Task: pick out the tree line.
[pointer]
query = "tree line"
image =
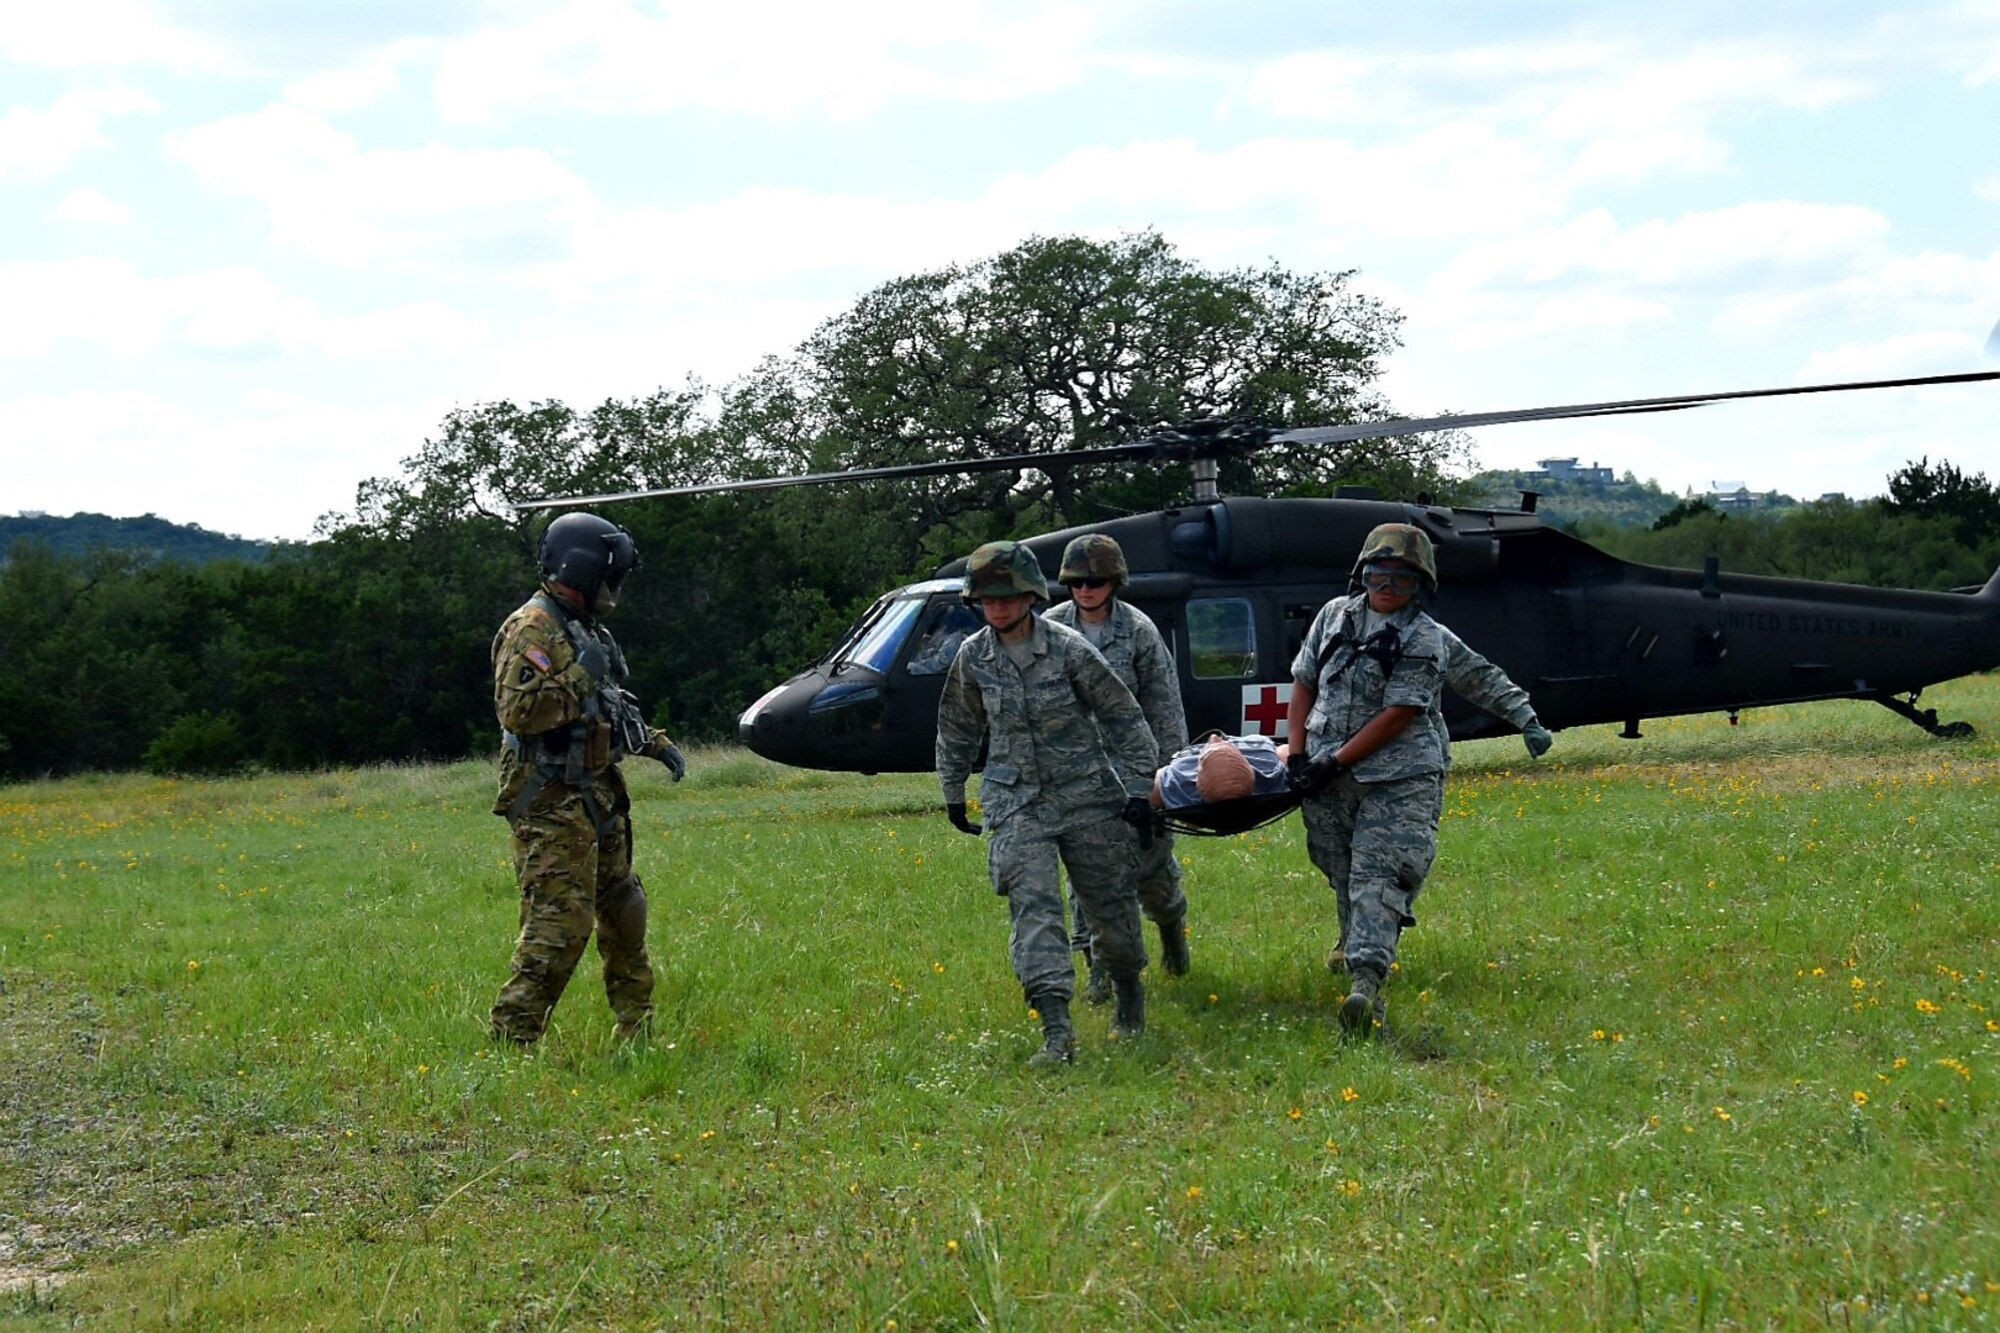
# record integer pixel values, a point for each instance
(370, 643)
(1937, 528)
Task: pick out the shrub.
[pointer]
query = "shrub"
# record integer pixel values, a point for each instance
(202, 742)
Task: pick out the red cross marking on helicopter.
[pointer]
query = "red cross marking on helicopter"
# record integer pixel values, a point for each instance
(1268, 710)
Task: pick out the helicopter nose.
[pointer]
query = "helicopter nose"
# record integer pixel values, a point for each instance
(774, 726)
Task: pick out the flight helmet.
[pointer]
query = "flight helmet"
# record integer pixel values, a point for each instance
(588, 553)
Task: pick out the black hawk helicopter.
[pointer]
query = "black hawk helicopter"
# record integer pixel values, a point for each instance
(1233, 584)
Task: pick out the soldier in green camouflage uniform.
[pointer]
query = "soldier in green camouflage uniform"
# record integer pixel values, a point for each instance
(1370, 749)
(558, 688)
(1068, 757)
(1094, 569)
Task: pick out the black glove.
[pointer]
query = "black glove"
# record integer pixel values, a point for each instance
(1311, 776)
(670, 754)
(1536, 737)
(955, 812)
(596, 661)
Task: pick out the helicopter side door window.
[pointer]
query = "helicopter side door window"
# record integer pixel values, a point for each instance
(1298, 621)
(1222, 638)
(944, 628)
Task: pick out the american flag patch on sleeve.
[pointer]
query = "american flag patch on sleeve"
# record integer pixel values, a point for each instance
(539, 658)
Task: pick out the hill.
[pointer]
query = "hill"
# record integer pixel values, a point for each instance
(80, 534)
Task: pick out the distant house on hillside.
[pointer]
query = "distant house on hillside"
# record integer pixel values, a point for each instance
(1566, 469)
(1734, 495)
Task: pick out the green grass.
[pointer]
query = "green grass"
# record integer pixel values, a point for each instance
(1695, 1031)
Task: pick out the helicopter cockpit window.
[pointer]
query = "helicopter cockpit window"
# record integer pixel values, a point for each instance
(944, 627)
(877, 645)
(1222, 638)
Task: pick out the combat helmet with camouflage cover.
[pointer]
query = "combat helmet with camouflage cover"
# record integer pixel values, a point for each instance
(1398, 541)
(1094, 555)
(1004, 569)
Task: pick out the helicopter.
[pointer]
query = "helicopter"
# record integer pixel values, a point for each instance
(1233, 584)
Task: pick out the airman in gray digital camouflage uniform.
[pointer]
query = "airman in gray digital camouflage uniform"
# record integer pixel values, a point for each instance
(558, 689)
(1068, 764)
(1367, 692)
(1094, 570)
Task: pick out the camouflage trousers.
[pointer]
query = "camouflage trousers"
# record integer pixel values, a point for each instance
(1159, 883)
(574, 879)
(1026, 858)
(1375, 842)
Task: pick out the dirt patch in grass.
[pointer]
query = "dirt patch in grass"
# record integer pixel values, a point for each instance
(33, 1281)
(96, 1162)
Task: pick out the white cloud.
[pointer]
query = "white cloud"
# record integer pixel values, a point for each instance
(765, 57)
(347, 89)
(98, 34)
(1989, 188)
(36, 143)
(1975, 34)
(1252, 196)
(330, 198)
(91, 208)
(134, 452)
(1905, 356)
(1765, 242)
(1621, 112)
(1933, 289)
(1397, 87)
(1643, 94)
(1455, 178)
(1575, 89)
(105, 303)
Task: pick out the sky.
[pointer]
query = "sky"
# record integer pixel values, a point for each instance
(252, 253)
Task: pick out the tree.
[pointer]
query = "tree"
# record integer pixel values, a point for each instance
(1683, 511)
(489, 457)
(1940, 490)
(1071, 343)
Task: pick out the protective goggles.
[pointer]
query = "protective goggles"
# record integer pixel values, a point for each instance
(1381, 578)
(1092, 584)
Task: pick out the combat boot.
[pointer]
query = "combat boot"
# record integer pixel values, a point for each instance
(1174, 947)
(1129, 1020)
(1364, 1009)
(1058, 1037)
(634, 1031)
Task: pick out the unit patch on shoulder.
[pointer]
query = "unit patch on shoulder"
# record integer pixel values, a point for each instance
(539, 658)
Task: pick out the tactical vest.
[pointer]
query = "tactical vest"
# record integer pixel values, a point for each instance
(577, 752)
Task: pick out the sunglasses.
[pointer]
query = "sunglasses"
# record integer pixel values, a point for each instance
(1092, 584)
(1377, 579)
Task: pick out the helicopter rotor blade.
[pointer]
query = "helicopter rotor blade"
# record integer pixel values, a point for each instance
(1180, 445)
(1011, 462)
(1370, 430)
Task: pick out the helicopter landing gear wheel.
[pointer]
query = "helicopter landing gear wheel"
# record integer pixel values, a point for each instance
(1926, 718)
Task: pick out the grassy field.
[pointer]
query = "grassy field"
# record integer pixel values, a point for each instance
(1701, 1030)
